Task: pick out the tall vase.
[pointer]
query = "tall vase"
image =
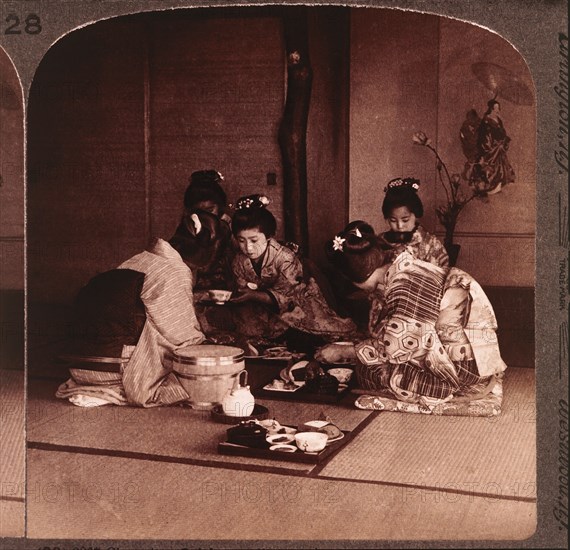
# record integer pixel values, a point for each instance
(451, 247)
(453, 250)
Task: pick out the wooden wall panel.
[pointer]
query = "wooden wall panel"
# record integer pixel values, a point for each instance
(86, 159)
(216, 96)
(393, 93)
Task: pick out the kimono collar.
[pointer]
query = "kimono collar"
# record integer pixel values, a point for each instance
(162, 248)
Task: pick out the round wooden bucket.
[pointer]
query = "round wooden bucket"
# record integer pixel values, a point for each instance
(207, 372)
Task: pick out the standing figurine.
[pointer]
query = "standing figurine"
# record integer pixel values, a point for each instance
(490, 170)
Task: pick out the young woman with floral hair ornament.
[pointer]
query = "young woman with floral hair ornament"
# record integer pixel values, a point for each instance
(271, 282)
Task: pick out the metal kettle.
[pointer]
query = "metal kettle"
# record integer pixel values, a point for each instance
(239, 400)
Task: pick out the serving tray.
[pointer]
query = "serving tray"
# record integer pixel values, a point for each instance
(330, 450)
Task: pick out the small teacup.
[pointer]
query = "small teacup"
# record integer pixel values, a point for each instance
(220, 296)
(342, 374)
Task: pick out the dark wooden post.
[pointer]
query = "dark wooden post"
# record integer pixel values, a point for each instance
(293, 129)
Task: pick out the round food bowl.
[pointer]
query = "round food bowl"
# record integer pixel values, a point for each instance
(283, 448)
(281, 439)
(342, 374)
(220, 296)
(311, 442)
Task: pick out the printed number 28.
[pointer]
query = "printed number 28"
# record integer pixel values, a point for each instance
(31, 24)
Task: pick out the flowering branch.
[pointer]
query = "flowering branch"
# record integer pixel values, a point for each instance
(451, 183)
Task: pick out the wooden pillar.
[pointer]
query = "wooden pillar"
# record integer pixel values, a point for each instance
(293, 129)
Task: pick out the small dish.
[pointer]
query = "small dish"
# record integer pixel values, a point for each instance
(339, 363)
(273, 427)
(333, 439)
(280, 439)
(313, 425)
(280, 385)
(283, 448)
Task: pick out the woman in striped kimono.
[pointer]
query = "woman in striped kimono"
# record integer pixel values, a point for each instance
(165, 293)
(432, 329)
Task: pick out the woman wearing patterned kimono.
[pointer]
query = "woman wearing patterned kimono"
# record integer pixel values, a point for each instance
(432, 329)
(402, 208)
(276, 295)
(142, 374)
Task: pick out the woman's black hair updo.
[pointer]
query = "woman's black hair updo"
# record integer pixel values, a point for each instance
(205, 186)
(251, 213)
(402, 192)
(356, 251)
(196, 237)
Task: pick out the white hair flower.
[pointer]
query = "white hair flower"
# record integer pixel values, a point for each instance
(264, 200)
(197, 223)
(338, 242)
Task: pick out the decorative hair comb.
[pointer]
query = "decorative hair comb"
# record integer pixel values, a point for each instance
(252, 201)
(399, 182)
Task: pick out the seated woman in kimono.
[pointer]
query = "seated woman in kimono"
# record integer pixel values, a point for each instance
(138, 314)
(275, 299)
(432, 329)
(205, 193)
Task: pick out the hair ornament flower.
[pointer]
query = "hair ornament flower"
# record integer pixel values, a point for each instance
(399, 182)
(338, 243)
(252, 201)
(197, 223)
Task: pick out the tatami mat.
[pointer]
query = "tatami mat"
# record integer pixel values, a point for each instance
(178, 433)
(12, 436)
(492, 456)
(12, 451)
(85, 497)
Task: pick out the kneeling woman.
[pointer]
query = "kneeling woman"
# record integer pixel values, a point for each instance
(432, 329)
(281, 299)
(138, 314)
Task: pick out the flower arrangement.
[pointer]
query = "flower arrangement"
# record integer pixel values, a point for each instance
(457, 199)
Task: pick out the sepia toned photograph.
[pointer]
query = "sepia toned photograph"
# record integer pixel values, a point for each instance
(269, 278)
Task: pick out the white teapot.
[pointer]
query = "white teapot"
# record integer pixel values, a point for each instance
(239, 401)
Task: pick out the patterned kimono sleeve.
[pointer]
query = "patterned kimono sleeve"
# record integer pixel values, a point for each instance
(239, 272)
(168, 299)
(435, 252)
(289, 278)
